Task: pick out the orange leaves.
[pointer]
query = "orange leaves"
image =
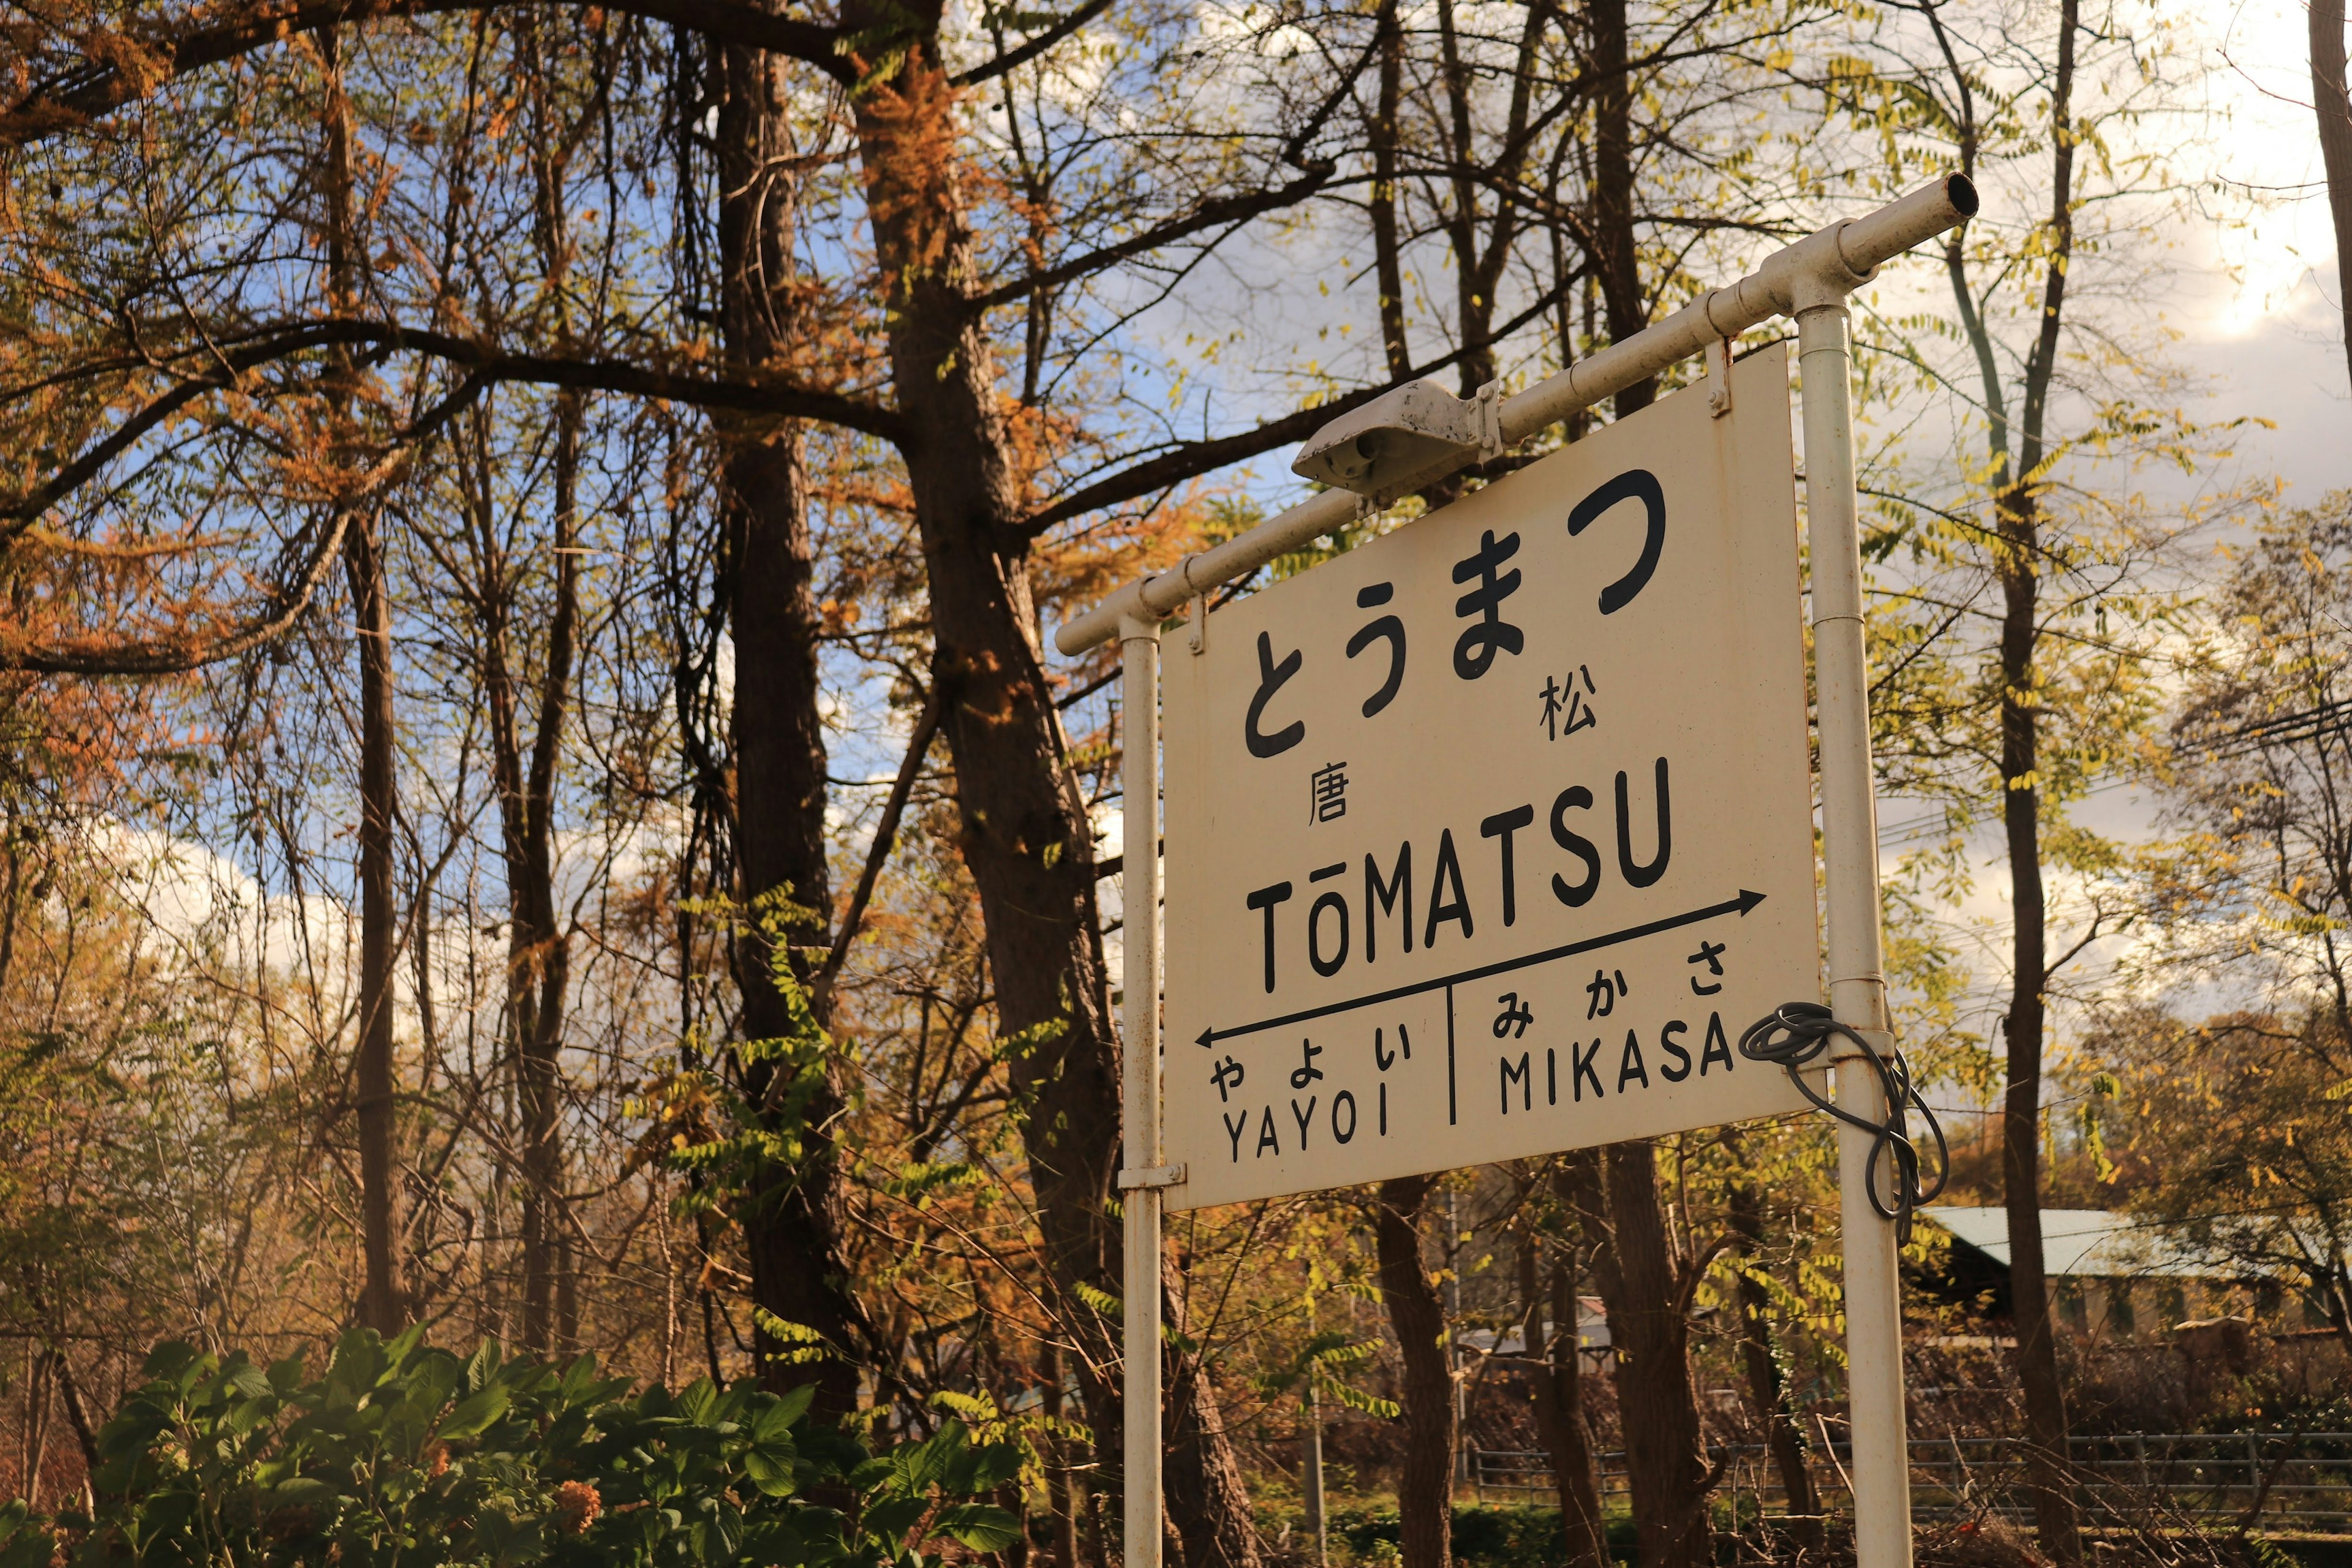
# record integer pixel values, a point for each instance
(912, 138)
(141, 69)
(1076, 570)
(577, 1504)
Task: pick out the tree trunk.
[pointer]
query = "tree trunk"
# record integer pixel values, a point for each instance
(1558, 1377)
(2037, 1360)
(1765, 1386)
(1425, 1488)
(792, 1217)
(1024, 831)
(1618, 263)
(1665, 1468)
(1478, 268)
(77, 1416)
(1055, 1460)
(1310, 1474)
(2019, 560)
(1381, 206)
(383, 1304)
(538, 951)
(2335, 111)
(1208, 1497)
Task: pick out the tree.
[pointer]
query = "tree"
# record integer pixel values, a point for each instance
(1551, 1329)
(2258, 894)
(792, 1212)
(1761, 1354)
(2334, 109)
(2019, 616)
(385, 1303)
(1526, 156)
(2240, 1127)
(1425, 1485)
(2261, 775)
(1646, 1285)
(982, 637)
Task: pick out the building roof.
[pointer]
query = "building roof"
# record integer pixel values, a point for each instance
(1591, 1331)
(2097, 1244)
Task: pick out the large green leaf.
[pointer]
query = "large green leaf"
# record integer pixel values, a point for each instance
(473, 1415)
(981, 1526)
(772, 1475)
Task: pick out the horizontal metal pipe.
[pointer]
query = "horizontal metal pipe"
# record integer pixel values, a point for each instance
(1820, 269)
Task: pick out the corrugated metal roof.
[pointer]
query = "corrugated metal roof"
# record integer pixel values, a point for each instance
(2097, 1244)
(1592, 1331)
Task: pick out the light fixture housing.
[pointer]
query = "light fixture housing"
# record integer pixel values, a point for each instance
(1397, 442)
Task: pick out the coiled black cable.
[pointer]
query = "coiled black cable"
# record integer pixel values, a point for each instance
(1795, 1033)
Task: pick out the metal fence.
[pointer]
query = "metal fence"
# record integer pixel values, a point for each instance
(2281, 1480)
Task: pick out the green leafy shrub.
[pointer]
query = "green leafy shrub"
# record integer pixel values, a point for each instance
(1484, 1535)
(407, 1456)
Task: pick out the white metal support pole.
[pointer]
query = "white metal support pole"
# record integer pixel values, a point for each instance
(1881, 1468)
(1140, 1063)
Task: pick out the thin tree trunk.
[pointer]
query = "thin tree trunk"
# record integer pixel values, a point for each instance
(1558, 1378)
(1618, 263)
(1665, 1470)
(1478, 268)
(2019, 562)
(1209, 1514)
(792, 1217)
(2335, 111)
(35, 1432)
(1026, 834)
(9, 902)
(77, 1416)
(1425, 1488)
(1058, 1480)
(1766, 1388)
(1474, 308)
(537, 949)
(1388, 256)
(2045, 1400)
(384, 1303)
(1310, 1473)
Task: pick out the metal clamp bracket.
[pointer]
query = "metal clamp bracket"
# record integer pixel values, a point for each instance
(1129, 1178)
(1490, 421)
(1718, 376)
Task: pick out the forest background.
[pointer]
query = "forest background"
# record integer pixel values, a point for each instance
(533, 801)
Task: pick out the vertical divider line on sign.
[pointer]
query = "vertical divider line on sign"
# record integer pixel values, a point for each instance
(1451, 1117)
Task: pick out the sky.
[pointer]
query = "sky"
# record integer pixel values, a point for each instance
(2264, 319)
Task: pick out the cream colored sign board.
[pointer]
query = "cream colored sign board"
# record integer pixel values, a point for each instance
(1488, 838)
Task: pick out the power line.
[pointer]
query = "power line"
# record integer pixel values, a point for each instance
(2303, 725)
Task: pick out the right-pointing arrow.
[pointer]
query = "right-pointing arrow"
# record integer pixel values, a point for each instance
(1747, 900)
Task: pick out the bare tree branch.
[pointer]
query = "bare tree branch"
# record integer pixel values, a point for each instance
(191, 650)
(107, 80)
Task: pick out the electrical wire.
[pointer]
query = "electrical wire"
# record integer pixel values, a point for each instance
(1795, 1033)
(2333, 718)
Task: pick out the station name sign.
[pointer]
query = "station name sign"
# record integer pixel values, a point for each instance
(1486, 839)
